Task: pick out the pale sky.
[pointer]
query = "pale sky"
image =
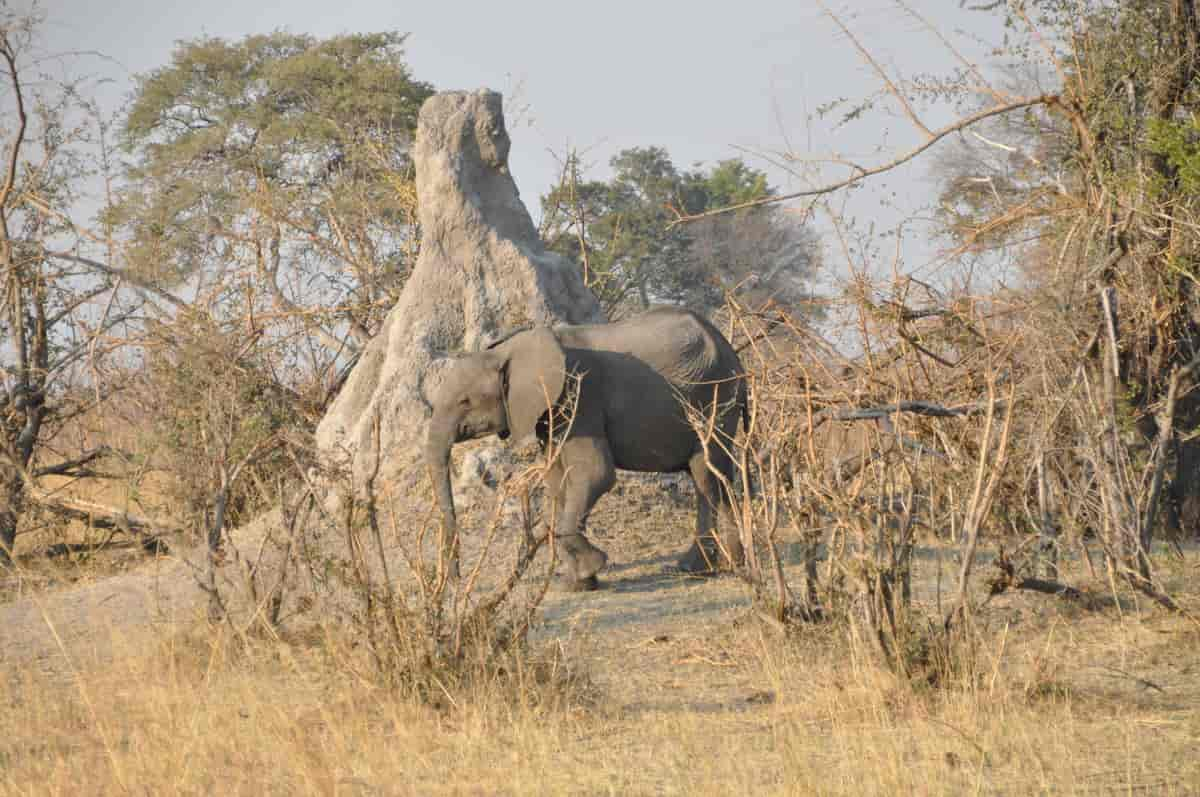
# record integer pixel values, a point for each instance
(706, 81)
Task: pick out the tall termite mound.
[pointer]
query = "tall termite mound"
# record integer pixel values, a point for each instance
(482, 271)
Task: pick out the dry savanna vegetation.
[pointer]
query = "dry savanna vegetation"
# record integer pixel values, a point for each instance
(969, 506)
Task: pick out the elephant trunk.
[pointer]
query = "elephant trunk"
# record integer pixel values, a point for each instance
(439, 440)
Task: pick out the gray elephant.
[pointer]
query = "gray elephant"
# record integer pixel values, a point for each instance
(634, 378)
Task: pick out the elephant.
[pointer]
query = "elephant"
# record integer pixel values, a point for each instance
(632, 381)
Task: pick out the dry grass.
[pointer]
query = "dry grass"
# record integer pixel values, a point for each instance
(651, 687)
(1053, 699)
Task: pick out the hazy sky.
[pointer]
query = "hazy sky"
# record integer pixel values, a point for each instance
(706, 81)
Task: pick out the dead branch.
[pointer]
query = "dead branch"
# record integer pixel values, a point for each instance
(914, 407)
(863, 172)
(100, 516)
(77, 466)
(142, 285)
(1166, 430)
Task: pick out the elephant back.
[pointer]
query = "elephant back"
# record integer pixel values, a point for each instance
(678, 343)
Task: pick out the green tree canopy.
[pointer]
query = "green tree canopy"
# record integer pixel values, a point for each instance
(281, 162)
(619, 231)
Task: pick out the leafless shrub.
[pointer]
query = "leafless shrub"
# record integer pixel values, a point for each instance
(848, 457)
(424, 628)
(1018, 419)
(958, 418)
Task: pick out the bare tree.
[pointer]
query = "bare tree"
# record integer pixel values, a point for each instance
(57, 314)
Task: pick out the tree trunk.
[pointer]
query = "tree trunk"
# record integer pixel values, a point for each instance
(1183, 501)
(1048, 529)
(216, 606)
(12, 501)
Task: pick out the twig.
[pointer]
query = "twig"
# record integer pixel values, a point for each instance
(1142, 681)
(862, 173)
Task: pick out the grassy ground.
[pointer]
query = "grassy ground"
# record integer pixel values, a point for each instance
(653, 686)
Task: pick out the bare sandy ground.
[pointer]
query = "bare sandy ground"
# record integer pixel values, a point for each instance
(50, 628)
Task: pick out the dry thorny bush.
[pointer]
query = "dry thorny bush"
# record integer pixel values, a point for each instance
(236, 444)
(960, 417)
(845, 456)
(371, 558)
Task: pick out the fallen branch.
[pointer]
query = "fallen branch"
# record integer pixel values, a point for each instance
(61, 549)
(1148, 588)
(1007, 579)
(100, 516)
(1048, 587)
(915, 407)
(71, 467)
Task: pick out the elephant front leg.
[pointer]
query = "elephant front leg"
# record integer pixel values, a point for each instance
(583, 473)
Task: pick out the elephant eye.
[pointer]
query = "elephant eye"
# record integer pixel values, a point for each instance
(465, 401)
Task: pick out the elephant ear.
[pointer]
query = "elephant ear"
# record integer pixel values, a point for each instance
(535, 375)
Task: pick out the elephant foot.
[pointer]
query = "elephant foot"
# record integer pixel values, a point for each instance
(572, 584)
(688, 568)
(585, 559)
(702, 560)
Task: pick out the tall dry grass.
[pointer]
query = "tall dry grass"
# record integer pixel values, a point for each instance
(1052, 702)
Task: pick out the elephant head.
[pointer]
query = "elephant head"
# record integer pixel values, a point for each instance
(504, 390)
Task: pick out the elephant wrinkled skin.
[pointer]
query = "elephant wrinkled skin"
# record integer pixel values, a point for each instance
(636, 379)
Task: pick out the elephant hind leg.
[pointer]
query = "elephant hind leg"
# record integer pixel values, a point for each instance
(709, 553)
(702, 558)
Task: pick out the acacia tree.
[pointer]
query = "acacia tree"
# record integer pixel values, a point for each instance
(279, 161)
(620, 232)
